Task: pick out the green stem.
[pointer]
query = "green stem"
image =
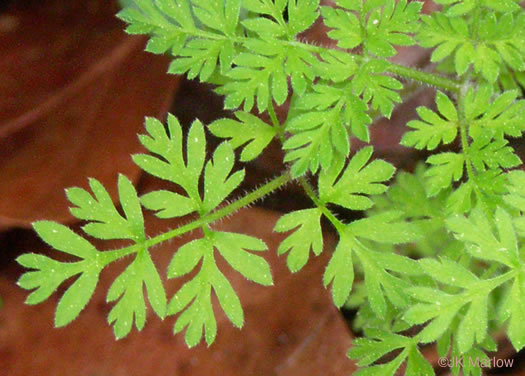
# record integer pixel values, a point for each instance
(463, 130)
(308, 189)
(397, 69)
(275, 122)
(339, 226)
(110, 256)
(427, 78)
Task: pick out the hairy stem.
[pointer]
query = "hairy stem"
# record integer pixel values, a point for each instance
(110, 256)
(339, 226)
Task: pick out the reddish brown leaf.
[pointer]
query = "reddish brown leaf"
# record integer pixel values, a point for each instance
(75, 90)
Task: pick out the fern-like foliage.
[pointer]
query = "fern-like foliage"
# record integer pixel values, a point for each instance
(105, 221)
(436, 255)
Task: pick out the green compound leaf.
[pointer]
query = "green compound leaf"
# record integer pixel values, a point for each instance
(308, 235)
(378, 28)
(194, 32)
(482, 242)
(248, 132)
(48, 274)
(200, 57)
(446, 168)
(486, 154)
(515, 197)
(170, 164)
(345, 27)
(379, 343)
(194, 298)
(105, 222)
(335, 66)
(128, 290)
(379, 282)
(434, 129)
(441, 308)
(349, 110)
(313, 141)
(322, 133)
(232, 247)
(168, 204)
(500, 41)
(301, 15)
(379, 89)
(199, 316)
(513, 309)
(340, 270)
(257, 75)
(349, 188)
(503, 116)
(386, 227)
(218, 183)
(461, 7)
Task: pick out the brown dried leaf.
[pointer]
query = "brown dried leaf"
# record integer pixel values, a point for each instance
(75, 90)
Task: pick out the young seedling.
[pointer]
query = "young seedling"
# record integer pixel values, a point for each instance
(438, 251)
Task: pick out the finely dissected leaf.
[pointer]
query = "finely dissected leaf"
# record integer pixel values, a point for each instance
(478, 232)
(168, 204)
(311, 144)
(105, 222)
(500, 40)
(513, 309)
(380, 89)
(504, 116)
(378, 28)
(301, 15)
(335, 66)
(349, 188)
(194, 32)
(380, 284)
(378, 281)
(345, 27)
(308, 235)
(442, 308)
(199, 314)
(379, 343)
(170, 165)
(446, 168)
(330, 100)
(257, 75)
(460, 7)
(218, 183)
(515, 196)
(128, 290)
(233, 247)
(322, 133)
(48, 274)
(486, 154)
(249, 132)
(434, 129)
(200, 57)
(340, 270)
(194, 298)
(387, 227)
